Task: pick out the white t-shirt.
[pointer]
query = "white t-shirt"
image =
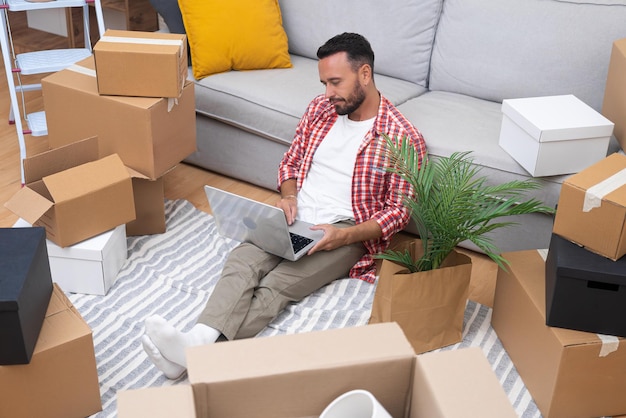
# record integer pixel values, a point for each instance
(326, 194)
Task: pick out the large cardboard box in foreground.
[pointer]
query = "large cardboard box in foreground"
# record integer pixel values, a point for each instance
(298, 375)
(614, 104)
(539, 131)
(570, 374)
(89, 267)
(584, 291)
(151, 135)
(61, 380)
(592, 207)
(73, 194)
(25, 288)
(135, 63)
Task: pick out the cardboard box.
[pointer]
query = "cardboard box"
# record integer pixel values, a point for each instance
(570, 374)
(538, 131)
(134, 63)
(73, 194)
(151, 135)
(614, 104)
(457, 383)
(158, 402)
(25, 288)
(149, 206)
(89, 267)
(61, 380)
(299, 375)
(592, 208)
(584, 291)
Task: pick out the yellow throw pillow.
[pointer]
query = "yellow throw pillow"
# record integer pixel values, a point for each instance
(229, 35)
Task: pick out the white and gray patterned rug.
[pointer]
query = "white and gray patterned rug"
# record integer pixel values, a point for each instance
(172, 274)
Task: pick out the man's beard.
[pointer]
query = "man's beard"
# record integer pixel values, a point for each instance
(352, 103)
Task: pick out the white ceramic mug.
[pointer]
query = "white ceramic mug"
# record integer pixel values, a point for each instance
(355, 404)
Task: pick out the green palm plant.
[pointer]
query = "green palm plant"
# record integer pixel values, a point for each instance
(452, 204)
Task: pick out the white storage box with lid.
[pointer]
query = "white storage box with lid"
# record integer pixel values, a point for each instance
(89, 267)
(554, 135)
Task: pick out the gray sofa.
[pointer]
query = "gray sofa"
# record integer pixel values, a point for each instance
(446, 64)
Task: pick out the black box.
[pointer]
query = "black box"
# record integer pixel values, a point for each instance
(25, 291)
(584, 291)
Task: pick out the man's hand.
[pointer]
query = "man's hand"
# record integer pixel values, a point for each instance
(289, 205)
(333, 238)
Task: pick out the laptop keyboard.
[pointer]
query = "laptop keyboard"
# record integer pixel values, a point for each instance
(298, 242)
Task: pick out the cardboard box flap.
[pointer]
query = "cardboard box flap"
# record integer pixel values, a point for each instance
(157, 402)
(80, 180)
(60, 159)
(28, 204)
(293, 353)
(557, 118)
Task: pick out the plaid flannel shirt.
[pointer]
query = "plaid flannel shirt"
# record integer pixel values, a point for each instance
(376, 193)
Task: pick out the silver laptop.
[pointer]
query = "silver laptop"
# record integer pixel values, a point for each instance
(263, 225)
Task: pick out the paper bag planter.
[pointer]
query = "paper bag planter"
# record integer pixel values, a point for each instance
(429, 305)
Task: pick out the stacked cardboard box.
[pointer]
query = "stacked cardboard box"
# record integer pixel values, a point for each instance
(299, 375)
(61, 379)
(25, 288)
(585, 270)
(151, 129)
(569, 373)
(559, 314)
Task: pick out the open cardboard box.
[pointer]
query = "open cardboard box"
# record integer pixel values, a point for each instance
(62, 379)
(299, 375)
(73, 194)
(151, 135)
(570, 374)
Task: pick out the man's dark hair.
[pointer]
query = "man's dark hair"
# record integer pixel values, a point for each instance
(356, 46)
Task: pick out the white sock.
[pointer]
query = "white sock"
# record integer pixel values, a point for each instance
(172, 343)
(170, 369)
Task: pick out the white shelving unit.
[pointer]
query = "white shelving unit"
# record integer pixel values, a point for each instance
(38, 62)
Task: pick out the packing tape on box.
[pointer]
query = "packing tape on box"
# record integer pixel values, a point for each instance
(610, 344)
(142, 41)
(595, 194)
(171, 101)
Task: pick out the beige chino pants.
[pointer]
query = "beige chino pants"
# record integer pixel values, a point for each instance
(256, 286)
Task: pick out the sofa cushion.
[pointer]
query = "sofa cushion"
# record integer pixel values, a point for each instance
(271, 102)
(502, 49)
(401, 31)
(234, 35)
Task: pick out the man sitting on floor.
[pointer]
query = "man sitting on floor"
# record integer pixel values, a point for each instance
(333, 176)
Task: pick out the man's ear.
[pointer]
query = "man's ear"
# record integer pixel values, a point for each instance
(365, 74)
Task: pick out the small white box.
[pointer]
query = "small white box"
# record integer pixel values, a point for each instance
(90, 266)
(554, 135)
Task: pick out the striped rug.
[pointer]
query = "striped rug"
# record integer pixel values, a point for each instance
(172, 275)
